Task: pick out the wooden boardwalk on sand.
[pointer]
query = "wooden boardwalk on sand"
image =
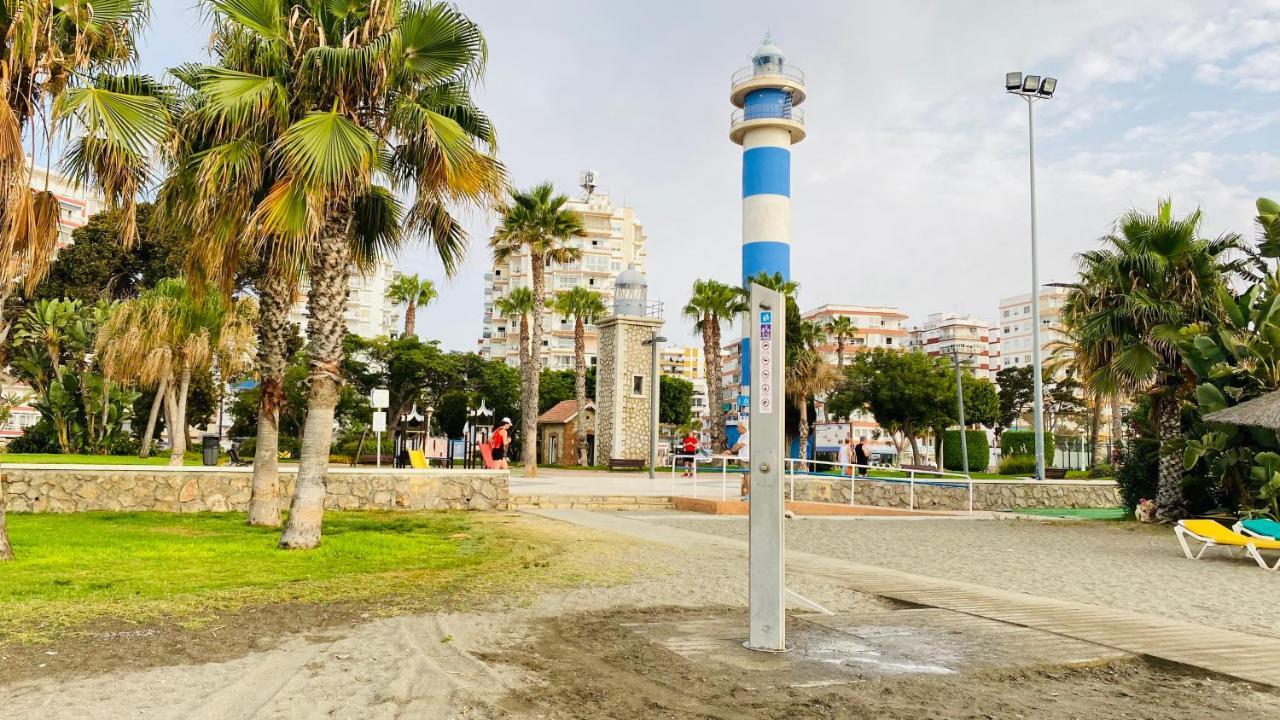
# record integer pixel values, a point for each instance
(1252, 658)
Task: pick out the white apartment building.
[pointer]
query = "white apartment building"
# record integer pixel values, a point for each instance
(876, 327)
(1015, 343)
(951, 334)
(614, 241)
(369, 313)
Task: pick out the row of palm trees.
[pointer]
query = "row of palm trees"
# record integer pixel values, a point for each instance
(321, 136)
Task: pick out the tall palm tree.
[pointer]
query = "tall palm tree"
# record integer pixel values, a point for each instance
(1154, 275)
(412, 292)
(808, 376)
(168, 333)
(711, 304)
(519, 304)
(320, 118)
(537, 222)
(841, 329)
(54, 74)
(585, 307)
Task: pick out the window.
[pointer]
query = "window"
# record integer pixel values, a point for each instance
(888, 341)
(497, 273)
(637, 385)
(591, 282)
(1026, 309)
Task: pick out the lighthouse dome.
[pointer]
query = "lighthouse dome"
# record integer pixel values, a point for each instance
(768, 56)
(630, 292)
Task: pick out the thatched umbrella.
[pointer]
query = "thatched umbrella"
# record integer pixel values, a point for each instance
(1259, 412)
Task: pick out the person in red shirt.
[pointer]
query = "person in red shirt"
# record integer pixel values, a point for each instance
(689, 446)
(501, 441)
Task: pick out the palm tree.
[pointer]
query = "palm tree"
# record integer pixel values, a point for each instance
(808, 376)
(519, 303)
(585, 307)
(55, 61)
(841, 329)
(1154, 275)
(320, 121)
(412, 293)
(536, 221)
(168, 333)
(711, 304)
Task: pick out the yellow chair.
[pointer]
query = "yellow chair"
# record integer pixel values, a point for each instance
(418, 459)
(1213, 534)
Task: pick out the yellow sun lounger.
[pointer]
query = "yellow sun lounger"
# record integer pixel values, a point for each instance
(418, 459)
(1213, 534)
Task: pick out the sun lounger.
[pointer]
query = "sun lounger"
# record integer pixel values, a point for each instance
(1212, 534)
(1259, 528)
(418, 459)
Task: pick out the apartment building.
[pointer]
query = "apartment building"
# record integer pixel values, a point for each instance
(951, 334)
(875, 327)
(368, 313)
(614, 241)
(686, 362)
(1015, 343)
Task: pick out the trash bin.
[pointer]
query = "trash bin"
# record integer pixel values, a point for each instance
(211, 445)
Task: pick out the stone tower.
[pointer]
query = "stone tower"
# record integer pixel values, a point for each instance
(624, 374)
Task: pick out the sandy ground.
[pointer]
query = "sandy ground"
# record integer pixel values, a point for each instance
(574, 655)
(1121, 565)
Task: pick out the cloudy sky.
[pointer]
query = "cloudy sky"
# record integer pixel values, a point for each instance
(911, 188)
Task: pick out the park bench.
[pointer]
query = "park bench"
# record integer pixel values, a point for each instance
(1055, 473)
(924, 468)
(625, 464)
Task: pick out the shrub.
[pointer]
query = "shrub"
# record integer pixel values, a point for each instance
(1137, 473)
(979, 450)
(1018, 465)
(1023, 442)
(38, 438)
(1101, 470)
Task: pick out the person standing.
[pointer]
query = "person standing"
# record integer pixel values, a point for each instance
(689, 446)
(846, 456)
(742, 450)
(861, 457)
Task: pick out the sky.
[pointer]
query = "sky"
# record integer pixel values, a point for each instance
(911, 189)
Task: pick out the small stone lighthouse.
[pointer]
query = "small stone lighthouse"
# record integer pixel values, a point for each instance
(624, 382)
(766, 124)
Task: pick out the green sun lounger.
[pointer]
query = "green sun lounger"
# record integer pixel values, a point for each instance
(1259, 528)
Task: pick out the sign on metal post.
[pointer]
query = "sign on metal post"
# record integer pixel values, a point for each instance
(379, 398)
(767, 582)
(379, 427)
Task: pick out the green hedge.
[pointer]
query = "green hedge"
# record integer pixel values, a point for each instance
(979, 451)
(1023, 442)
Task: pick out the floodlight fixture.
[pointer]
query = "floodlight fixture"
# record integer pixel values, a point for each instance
(1047, 86)
(1030, 83)
(1013, 81)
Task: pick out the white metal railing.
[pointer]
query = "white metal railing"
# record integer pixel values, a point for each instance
(794, 467)
(752, 72)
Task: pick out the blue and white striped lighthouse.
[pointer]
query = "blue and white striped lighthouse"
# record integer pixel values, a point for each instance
(766, 123)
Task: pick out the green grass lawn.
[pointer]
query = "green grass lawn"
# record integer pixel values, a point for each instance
(189, 568)
(160, 458)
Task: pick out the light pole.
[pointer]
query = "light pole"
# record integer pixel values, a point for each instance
(964, 434)
(653, 343)
(1033, 88)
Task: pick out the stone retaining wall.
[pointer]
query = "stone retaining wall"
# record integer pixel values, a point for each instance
(987, 494)
(78, 488)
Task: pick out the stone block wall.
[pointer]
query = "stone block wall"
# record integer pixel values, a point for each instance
(1002, 495)
(623, 415)
(79, 488)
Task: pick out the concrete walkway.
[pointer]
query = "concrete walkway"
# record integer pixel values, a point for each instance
(1247, 657)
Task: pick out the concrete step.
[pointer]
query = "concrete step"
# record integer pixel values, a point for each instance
(591, 502)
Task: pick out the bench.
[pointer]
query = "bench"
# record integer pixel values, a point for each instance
(625, 464)
(1055, 473)
(925, 468)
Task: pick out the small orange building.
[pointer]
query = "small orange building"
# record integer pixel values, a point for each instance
(558, 433)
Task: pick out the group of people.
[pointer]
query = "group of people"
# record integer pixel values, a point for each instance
(854, 456)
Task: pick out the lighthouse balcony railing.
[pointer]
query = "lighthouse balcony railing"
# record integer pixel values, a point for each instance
(767, 111)
(635, 308)
(755, 72)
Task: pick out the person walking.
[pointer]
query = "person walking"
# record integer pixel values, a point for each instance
(689, 446)
(861, 457)
(500, 442)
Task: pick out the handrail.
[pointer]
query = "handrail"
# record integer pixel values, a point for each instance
(767, 111)
(751, 72)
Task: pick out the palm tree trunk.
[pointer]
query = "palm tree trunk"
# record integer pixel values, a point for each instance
(1095, 429)
(580, 385)
(530, 382)
(715, 370)
(804, 434)
(411, 319)
(178, 431)
(326, 305)
(840, 353)
(1170, 503)
(1117, 426)
(148, 435)
(274, 296)
(6, 550)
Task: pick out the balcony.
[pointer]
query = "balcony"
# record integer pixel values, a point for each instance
(784, 115)
(768, 76)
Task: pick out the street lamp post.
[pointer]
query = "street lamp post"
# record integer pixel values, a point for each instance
(1032, 88)
(964, 434)
(652, 343)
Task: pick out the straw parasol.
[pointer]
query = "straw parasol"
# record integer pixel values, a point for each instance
(1259, 412)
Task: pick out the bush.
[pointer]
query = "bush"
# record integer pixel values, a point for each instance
(1137, 473)
(1023, 442)
(288, 444)
(38, 438)
(1018, 465)
(1101, 470)
(979, 450)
